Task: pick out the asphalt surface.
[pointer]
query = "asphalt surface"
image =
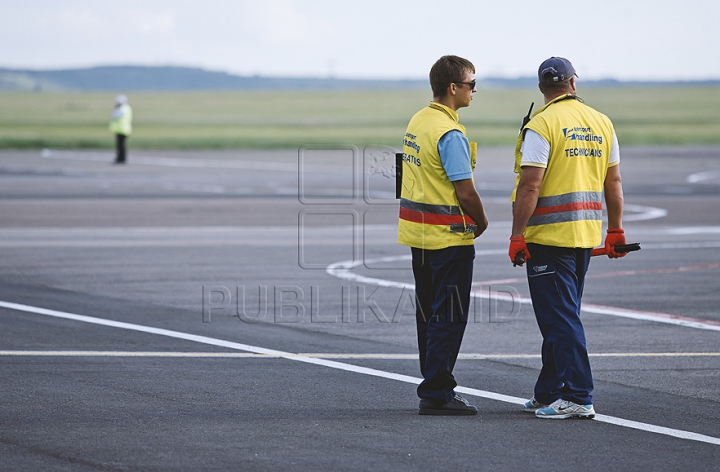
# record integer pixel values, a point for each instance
(251, 310)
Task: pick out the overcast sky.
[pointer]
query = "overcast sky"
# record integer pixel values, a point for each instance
(623, 39)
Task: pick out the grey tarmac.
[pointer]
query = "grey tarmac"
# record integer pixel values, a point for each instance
(257, 315)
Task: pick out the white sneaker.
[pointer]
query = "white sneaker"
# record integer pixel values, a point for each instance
(532, 405)
(562, 409)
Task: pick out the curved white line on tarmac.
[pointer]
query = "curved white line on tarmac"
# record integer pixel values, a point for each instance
(633, 213)
(694, 230)
(342, 270)
(340, 366)
(703, 176)
(698, 245)
(643, 213)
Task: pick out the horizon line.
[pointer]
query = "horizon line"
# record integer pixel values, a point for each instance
(335, 77)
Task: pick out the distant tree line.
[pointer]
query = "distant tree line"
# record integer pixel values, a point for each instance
(141, 78)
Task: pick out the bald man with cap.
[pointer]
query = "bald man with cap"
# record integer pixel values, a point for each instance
(566, 156)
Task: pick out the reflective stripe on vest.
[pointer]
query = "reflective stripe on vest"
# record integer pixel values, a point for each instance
(426, 213)
(576, 206)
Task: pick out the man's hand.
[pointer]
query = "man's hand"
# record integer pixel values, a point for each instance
(518, 248)
(615, 236)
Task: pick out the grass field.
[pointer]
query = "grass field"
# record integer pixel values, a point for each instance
(282, 119)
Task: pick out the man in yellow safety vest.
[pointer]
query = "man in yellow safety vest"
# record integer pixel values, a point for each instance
(440, 216)
(567, 154)
(121, 125)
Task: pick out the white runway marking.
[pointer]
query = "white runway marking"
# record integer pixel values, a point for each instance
(329, 355)
(342, 270)
(689, 245)
(130, 354)
(620, 273)
(694, 230)
(189, 162)
(632, 212)
(643, 213)
(703, 176)
(173, 161)
(340, 366)
(161, 236)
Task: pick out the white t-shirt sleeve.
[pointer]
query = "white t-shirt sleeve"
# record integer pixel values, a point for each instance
(535, 150)
(614, 152)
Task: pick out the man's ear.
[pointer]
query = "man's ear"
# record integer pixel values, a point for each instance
(572, 84)
(541, 88)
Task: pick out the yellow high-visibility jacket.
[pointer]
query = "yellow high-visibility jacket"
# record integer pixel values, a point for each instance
(430, 213)
(569, 208)
(121, 122)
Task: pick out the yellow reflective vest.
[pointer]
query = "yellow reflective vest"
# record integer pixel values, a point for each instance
(430, 213)
(121, 122)
(569, 208)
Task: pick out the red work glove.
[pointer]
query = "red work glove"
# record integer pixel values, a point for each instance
(518, 247)
(615, 236)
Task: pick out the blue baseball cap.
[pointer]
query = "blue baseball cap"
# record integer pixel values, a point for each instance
(555, 69)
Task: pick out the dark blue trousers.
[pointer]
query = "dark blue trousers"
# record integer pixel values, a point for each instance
(556, 277)
(121, 148)
(443, 279)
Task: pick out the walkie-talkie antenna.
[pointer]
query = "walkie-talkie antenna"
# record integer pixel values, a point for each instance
(526, 118)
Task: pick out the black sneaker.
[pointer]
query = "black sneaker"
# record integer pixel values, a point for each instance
(458, 406)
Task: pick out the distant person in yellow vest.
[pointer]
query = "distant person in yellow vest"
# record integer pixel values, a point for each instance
(566, 156)
(440, 216)
(121, 125)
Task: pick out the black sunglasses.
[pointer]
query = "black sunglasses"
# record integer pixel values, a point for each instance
(471, 84)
